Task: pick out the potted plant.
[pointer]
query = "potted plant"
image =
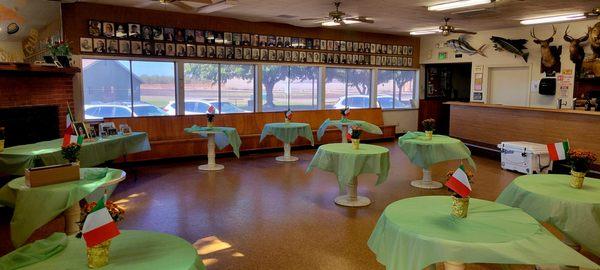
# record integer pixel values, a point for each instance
(345, 112)
(429, 127)
(580, 161)
(288, 116)
(459, 182)
(354, 134)
(98, 255)
(70, 152)
(210, 116)
(61, 51)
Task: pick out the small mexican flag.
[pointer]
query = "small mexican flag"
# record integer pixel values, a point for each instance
(349, 134)
(558, 151)
(459, 182)
(68, 137)
(99, 226)
(288, 115)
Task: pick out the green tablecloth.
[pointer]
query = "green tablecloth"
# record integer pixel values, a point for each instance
(366, 126)
(549, 198)
(35, 252)
(35, 207)
(347, 163)
(425, 153)
(224, 136)
(416, 232)
(14, 160)
(130, 250)
(288, 132)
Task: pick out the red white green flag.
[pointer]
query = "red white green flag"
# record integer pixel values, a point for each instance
(99, 226)
(68, 137)
(459, 182)
(558, 151)
(288, 114)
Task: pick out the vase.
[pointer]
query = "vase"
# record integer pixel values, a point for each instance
(355, 144)
(460, 207)
(210, 124)
(97, 256)
(429, 134)
(577, 179)
(287, 121)
(1, 145)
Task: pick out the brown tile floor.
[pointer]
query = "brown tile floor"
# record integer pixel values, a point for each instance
(263, 214)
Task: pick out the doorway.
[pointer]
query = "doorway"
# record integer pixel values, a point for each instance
(509, 85)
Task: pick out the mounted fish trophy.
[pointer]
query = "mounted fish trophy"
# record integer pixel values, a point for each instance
(591, 66)
(462, 45)
(514, 46)
(576, 51)
(550, 54)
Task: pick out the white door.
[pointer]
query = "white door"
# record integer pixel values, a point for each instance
(509, 85)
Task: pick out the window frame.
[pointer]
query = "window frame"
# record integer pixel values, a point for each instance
(372, 88)
(289, 67)
(415, 92)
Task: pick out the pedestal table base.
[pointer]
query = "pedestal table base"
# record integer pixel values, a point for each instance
(351, 199)
(426, 183)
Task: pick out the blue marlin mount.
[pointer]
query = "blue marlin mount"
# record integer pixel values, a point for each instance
(514, 46)
(462, 45)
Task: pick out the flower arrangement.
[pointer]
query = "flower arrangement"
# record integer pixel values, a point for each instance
(428, 124)
(70, 152)
(210, 116)
(288, 115)
(98, 255)
(116, 213)
(59, 48)
(581, 160)
(345, 112)
(355, 132)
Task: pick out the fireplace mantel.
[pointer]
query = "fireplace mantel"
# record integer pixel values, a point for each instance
(29, 68)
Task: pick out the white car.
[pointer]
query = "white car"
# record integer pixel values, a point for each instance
(363, 101)
(201, 107)
(99, 111)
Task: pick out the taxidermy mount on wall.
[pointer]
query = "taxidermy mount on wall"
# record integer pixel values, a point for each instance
(591, 66)
(463, 46)
(594, 33)
(576, 52)
(514, 46)
(550, 63)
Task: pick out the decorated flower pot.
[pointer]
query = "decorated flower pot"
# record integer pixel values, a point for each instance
(460, 207)
(577, 179)
(287, 121)
(355, 144)
(429, 134)
(97, 256)
(210, 124)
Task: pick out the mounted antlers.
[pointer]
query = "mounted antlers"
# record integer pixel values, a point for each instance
(543, 42)
(550, 55)
(576, 52)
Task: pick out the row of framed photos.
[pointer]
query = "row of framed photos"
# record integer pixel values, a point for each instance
(135, 31)
(147, 48)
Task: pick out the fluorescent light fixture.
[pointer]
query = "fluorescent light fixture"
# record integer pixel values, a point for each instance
(560, 18)
(457, 4)
(350, 21)
(330, 23)
(224, 4)
(429, 31)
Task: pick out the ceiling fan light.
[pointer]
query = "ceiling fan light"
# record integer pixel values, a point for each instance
(560, 18)
(457, 4)
(330, 23)
(429, 31)
(350, 21)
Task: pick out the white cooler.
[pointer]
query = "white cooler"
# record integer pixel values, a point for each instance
(525, 157)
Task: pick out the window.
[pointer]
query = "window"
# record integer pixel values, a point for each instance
(294, 87)
(348, 87)
(123, 88)
(396, 89)
(228, 88)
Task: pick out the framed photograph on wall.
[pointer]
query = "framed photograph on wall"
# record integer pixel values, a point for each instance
(361, 47)
(343, 46)
(180, 49)
(136, 47)
(323, 45)
(343, 59)
(336, 58)
(99, 45)
(246, 39)
(170, 49)
(147, 48)
(95, 28)
(169, 34)
(279, 42)
(410, 50)
(238, 54)
(220, 52)
(190, 50)
(255, 40)
(405, 50)
(271, 41)
(272, 55)
(295, 42)
(219, 38)
(330, 45)
(309, 57)
(112, 46)
(108, 29)
(236, 39)
(81, 130)
(86, 45)
(288, 56)
(317, 57)
(190, 36)
(157, 33)
(316, 44)
(247, 54)
(301, 43)
(209, 37)
(295, 56)
(201, 50)
(330, 58)
(309, 43)
(477, 96)
(287, 42)
(302, 57)
(147, 33)
(255, 54)
(199, 34)
(409, 62)
(323, 58)
(229, 54)
(280, 56)
(262, 40)
(211, 51)
(121, 30)
(227, 38)
(264, 55)
(179, 35)
(336, 45)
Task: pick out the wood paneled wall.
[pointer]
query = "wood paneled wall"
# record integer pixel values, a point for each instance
(168, 139)
(76, 15)
(490, 125)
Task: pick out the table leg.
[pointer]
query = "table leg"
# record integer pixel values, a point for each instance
(212, 165)
(72, 217)
(426, 182)
(344, 132)
(287, 154)
(352, 199)
(452, 265)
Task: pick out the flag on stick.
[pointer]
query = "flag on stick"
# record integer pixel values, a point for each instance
(211, 109)
(99, 225)
(558, 151)
(349, 134)
(68, 137)
(288, 114)
(459, 182)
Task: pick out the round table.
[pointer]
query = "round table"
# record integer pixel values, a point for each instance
(348, 163)
(217, 136)
(416, 232)
(549, 198)
(130, 250)
(36, 206)
(424, 153)
(343, 125)
(210, 145)
(287, 133)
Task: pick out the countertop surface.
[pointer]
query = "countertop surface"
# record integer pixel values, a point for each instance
(538, 109)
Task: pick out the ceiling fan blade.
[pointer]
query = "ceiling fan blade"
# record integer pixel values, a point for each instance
(183, 5)
(459, 31)
(314, 19)
(364, 19)
(208, 2)
(146, 4)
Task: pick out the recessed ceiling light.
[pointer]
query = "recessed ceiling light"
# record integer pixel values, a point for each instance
(428, 31)
(560, 18)
(458, 4)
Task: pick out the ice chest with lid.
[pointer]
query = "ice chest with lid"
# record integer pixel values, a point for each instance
(525, 157)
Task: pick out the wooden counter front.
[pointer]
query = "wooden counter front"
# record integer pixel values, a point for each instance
(488, 125)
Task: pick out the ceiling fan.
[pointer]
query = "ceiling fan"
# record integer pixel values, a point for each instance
(178, 3)
(447, 29)
(593, 13)
(338, 17)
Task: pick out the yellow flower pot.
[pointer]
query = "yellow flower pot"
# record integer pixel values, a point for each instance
(1, 145)
(97, 256)
(355, 144)
(429, 134)
(460, 207)
(287, 121)
(210, 124)
(577, 179)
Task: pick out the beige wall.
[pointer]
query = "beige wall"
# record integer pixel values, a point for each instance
(432, 44)
(405, 120)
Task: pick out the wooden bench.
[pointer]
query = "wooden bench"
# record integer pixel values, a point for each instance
(168, 140)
